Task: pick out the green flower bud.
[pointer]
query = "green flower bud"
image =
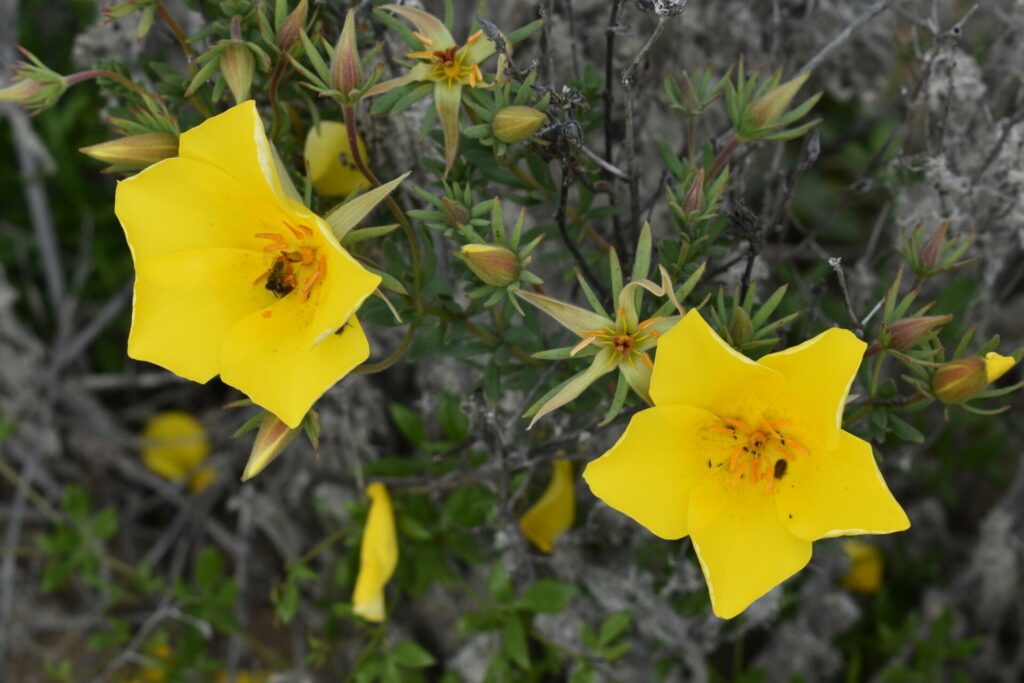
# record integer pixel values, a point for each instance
(455, 213)
(272, 438)
(741, 329)
(291, 28)
(906, 333)
(237, 64)
(515, 124)
(346, 69)
(492, 263)
(134, 152)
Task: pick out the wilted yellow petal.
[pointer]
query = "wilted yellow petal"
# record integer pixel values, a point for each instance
(378, 555)
(332, 168)
(554, 511)
(174, 444)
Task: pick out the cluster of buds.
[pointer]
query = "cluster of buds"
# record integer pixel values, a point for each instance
(235, 59)
(453, 211)
(745, 325)
(937, 254)
(500, 263)
(761, 110)
(619, 341)
(149, 136)
(693, 98)
(696, 200)
(342, 79)
(35, 86)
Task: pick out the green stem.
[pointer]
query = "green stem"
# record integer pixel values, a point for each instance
(876, 373)
(723, 157)
(179, 34)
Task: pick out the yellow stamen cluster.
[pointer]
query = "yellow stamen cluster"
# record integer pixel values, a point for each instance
(761, 454)
(282, 277)
(449, 65)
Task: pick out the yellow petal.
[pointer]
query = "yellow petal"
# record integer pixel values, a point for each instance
(743, 548)
(818, 375)
(378, 555)
(273, 361)
(866, 567)
(649, 473)
(202, 480)
(173, 444)
(694, 367)
(332, 169)
(838, 493)
(186, 302)
(996, 366)
(554, 511)
(181, 204)
(236, 143)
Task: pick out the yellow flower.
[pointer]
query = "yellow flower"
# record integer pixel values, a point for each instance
(329, 156)
(378, 555)
(866, 566)
(446, 64)
(234, 276)
(748, 458)
(174, 444)
(554, 512)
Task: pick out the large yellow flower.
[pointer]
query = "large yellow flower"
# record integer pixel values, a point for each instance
(234, 276)
(748, 458)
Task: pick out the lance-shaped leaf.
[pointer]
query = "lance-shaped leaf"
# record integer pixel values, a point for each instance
(348, 215)
(604, 362)
(571, 317)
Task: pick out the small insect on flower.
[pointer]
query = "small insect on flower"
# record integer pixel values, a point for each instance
(281, 280)
(780, 468)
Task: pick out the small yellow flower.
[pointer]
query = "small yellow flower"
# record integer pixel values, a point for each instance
(446, 64)
(174, 444)
(329, 157)
(747, 458)
(234, 276)
(554, 512)
(378, 555)
(866, 567)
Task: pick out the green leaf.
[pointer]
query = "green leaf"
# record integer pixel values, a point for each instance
(513, 641)
(453, 421)
(410, 654)
(614, 626)
(408, 423)
(498, 583)
(904, 430)
(76, 503)
(208, 569)
(104, 525)
(547, 595)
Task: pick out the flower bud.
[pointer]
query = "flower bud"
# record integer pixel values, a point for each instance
(741, 329)
(929, 254)
(770, 106)
(237, 66)
(455, 213)
(960, 380)
(35, 86)
(272, 438)
(906, 333)
(494, 264)
(515, 124)
(346, 68)
(291, 28)
(694, 200)
(134, 152)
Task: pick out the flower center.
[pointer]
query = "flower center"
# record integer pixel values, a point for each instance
(627, 344)
(296, 265)
(449, 65)
(760, 454)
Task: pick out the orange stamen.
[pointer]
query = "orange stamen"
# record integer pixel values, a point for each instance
(306, 229)
(295, 231)
(582, 345)
(647, 360)
(734, 457)
(422, 38)
(475, 37)
(739, 424)
(269, 236)
(261, 277)
(739, 473)
(798, 446)
(280, 246)
(647, 323)
(314, 277)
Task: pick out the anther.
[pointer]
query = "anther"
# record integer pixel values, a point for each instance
(269, 236)
(582, 345)
(647, 360)
(475, 37)
(279, 246)
(422, 38)
(295, 231)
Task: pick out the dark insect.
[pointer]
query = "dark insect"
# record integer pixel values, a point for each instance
(780, 468)
(280, 279)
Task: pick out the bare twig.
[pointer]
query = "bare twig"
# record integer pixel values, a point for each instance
(870, 13)
(836, 264)
(563, 198)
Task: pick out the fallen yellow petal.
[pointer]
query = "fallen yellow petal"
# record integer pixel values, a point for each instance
(332, 168)
(378, 555)
(866, 567)
(554, 511)
(174, 444)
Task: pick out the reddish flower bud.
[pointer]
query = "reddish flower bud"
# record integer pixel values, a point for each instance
(291, 28)
(960, 380)
(346, 68)
(455, 213)
(694, 200)
(906, 333)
